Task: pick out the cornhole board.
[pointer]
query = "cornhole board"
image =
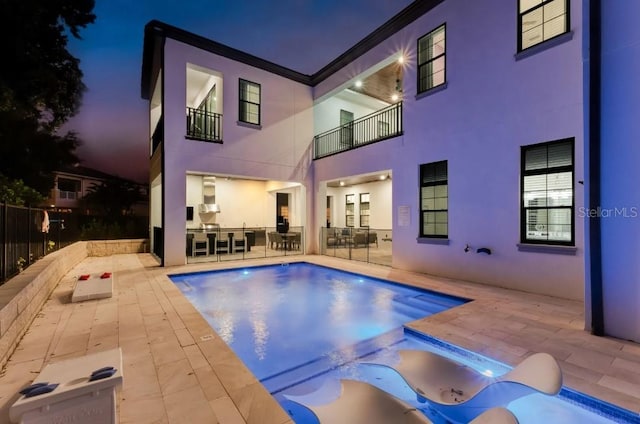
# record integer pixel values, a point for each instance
(75, 399)
(94, 287)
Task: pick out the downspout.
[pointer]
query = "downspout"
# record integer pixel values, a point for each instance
(594, 116)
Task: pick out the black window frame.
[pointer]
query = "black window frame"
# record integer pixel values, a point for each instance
(419, 87)
(547, 171)
(432, 168)
(242, 102)
(543, 3)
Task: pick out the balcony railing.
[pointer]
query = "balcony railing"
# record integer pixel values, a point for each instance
(377, 126)
(202, 125)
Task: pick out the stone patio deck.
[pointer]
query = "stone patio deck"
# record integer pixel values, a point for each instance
(177, 370)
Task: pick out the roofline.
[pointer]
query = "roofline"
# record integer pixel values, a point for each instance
(156, 31)
(403, 18)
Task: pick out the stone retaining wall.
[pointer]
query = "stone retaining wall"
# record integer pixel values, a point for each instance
(116, 247)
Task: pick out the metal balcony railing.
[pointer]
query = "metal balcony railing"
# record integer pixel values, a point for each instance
(377, 126)
(202, 125)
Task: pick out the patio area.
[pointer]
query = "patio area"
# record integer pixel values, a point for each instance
(177, 370)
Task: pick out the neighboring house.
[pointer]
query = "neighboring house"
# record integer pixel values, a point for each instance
(73, 183)
(505, 125)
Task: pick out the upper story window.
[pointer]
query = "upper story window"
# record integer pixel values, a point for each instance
(434, 200)
(68, 188)
(541, 20)
(249, 102)
(547, 201)
(431, 60)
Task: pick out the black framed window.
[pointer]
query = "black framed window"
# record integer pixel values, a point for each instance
(541, 20)
(547, 193)
(249, 102)
(431, 59)
(434, 200)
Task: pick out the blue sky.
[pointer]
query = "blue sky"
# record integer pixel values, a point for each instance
(300, 34)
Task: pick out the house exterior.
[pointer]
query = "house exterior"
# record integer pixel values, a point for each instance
(505, 127)
(73, 183)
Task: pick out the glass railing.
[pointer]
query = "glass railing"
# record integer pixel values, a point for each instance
(370, 245)
(377, 126)
(230, 244)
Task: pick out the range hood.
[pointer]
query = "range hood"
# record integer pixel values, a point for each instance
(208, 208)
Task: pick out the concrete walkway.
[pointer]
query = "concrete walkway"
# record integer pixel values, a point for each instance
(177, 370)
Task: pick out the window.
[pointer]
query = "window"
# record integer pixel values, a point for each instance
(68, 188)
(547, 204)
(349, 210)
(249, 102)
(434, 199)
(431, 60)
(203, 123)
(541, 20)
(364, 210)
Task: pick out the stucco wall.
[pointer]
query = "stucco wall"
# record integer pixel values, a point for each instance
(620, 209)
(279, 150)
(492, 105)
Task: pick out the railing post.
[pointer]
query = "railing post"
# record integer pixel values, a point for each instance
(5, 209)
(29, 224)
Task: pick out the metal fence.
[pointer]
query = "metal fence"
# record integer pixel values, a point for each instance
(229, 244)
(372, 245)
(23, 239)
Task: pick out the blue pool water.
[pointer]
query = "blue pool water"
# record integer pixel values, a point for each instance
(301, 327)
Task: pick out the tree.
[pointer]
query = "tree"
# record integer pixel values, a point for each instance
(16, 193)
(113, 198)
(40, 87)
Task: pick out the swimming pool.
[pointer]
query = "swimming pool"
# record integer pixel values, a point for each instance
(301, 327)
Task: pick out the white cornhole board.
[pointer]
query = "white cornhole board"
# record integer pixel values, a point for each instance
(76, 399)
(93, 288)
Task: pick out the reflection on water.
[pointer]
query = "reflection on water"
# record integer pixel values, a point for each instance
(280, 318)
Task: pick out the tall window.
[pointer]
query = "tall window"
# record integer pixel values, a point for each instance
(249, 102)
(431, 59)
(547, 204)
(434, 200)
(541, 20)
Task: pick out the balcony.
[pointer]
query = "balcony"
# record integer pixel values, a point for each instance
(203, 125)
(380, 125)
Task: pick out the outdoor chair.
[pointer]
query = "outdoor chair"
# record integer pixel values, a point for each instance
(461, 393)
(363, 403)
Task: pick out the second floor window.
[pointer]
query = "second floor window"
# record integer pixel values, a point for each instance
(541, 20)
(431, 60)
(547, 214)
(68, 188)
(434, 200)
(249, 102)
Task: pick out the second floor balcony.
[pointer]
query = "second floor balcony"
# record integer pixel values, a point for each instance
(203, 125)
(377, 126)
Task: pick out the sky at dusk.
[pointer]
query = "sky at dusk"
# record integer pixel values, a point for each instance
(303, 35)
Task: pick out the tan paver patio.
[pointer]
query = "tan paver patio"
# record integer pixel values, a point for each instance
(177, 370)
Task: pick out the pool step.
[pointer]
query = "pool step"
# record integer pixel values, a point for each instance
(417, 307)
(328, 362)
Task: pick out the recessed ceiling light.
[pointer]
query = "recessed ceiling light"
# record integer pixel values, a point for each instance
(358, 84)
(394, 97)
(401, 60)
(341, 183)
(383, 177)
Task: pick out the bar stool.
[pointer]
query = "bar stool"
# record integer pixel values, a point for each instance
(199, 244)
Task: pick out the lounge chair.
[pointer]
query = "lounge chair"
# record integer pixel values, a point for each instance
(460, 393)
(363, 403)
